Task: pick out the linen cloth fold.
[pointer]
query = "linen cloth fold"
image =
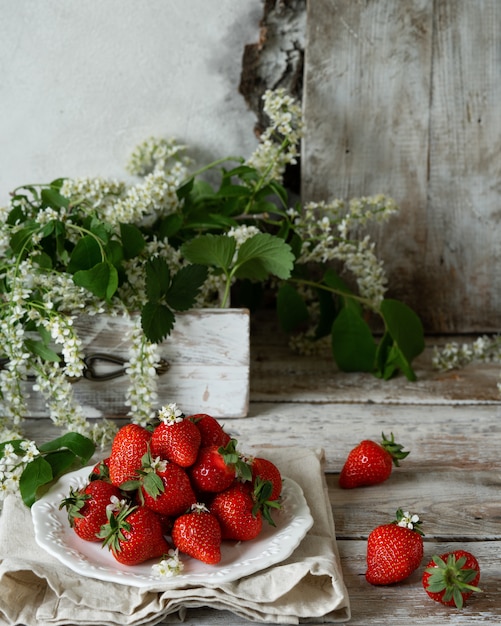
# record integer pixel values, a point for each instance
(37, 590)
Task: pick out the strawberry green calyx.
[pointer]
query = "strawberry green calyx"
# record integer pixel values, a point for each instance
(262, 502)
(233, 457)
(408, 520)
(147, 477)
(395, 450)
(74, 503)
(451, 578)
(112, 533)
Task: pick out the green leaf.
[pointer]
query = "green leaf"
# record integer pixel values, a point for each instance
(170, 226)
(60, 461)
(291, 308)
(213, 250)
(86, 254)
(81, 446)
(101, 280)
(157, 321)
(22, 237)
(42, 350)
(353, 345)
(36, 474)
(158, 279)
(185, 286)
(404, 326)
(133, 241)
(262, 255)
(52, 198)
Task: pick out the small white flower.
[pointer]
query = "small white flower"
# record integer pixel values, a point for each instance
(170, 414)
(169, 567)
(408, 520)
(116, 505)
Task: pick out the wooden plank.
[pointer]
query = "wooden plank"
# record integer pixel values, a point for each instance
(207, 355)
(462, 251)
(403, 98)
(366, 110)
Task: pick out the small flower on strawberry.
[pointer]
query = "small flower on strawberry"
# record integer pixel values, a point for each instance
(394, 550)
(452, 577)
(371, 463)
(176, 438)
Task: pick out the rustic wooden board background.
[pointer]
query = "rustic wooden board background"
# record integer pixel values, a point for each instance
(403, 98)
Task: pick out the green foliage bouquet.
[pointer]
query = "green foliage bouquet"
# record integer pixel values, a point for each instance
(171, 240)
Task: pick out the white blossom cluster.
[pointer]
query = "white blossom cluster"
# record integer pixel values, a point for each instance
(12, 466)
(142, 396)
(156, 153)
(326, 231)
(279, 143)
(454, 355)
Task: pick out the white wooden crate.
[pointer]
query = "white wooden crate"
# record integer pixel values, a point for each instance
(207, 355)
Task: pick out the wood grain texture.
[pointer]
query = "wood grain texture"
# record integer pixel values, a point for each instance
(402, 98)
(208, 359)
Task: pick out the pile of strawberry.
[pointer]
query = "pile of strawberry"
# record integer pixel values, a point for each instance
(395, 550)
(181, 484)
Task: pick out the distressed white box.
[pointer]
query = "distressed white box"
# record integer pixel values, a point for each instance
(207, 358)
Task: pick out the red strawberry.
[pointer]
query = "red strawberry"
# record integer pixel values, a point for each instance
(266, 470)
(452, 577)
(198, 534)
(211, 430)
(134, 534)
(394, 550)
(176, 438)
(216, 468)
(101, 470)
(86, 508)
(370, 463)
(129, 446)
(164, 486)
(239, 517)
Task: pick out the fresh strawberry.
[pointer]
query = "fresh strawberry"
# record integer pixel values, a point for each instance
(86, 508)
(129, 446)
(176, 438)
(101, 470)
(216, 468)
(266, 470)
(452, 577)
(394, 550)
(198, 534)
(164, 487)
(235, 510)
(134, 534)
(370, 463)
(211, 430)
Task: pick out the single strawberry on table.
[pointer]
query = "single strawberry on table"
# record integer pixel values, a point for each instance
(129, 445)
(394, 550)
(176, 438)
(371, 463)
(197, 533)
(86, 508)
(134, 534)
(452, 577)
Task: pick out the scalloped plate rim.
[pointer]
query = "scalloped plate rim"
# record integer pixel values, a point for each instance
(239, 559)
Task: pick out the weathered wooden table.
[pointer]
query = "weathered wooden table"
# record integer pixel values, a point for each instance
(450, 422)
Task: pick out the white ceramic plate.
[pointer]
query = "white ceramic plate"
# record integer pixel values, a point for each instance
(273, 545)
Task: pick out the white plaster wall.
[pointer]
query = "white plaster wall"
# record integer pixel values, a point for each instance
(82, 82)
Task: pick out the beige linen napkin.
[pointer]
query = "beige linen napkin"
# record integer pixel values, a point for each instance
(37, 590)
